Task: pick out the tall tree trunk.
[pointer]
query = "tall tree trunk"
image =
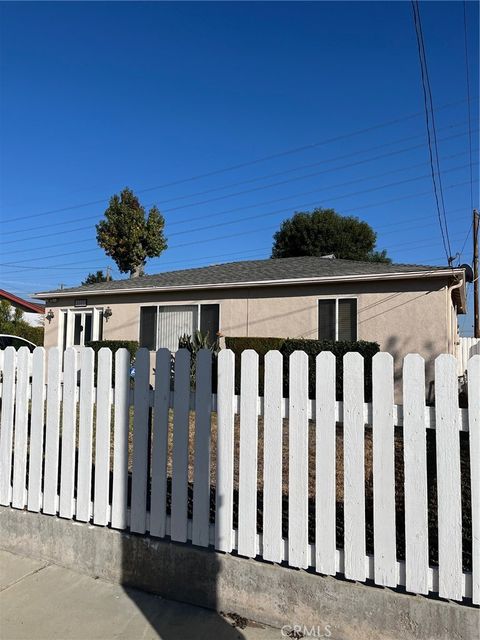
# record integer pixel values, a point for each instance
(137, 271)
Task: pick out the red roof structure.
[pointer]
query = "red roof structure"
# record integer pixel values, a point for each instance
(24, 305)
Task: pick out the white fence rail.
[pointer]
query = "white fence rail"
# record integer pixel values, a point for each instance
(466, 348)
(57, 429)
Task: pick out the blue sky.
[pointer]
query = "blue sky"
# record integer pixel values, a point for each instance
(97, 96)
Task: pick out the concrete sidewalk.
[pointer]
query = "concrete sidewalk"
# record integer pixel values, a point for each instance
(42, 601)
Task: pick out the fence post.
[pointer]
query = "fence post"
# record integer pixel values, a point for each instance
(448, 478)
(6, 433)
(247, 483)
(52, 431)
(415, 469)
(102, 437)
(37, 426)
(298, 555)
(121, 426)
(354, 469)
(385, 558)
(474, 429)
(69, 430)
(225, 422)
(85, 433)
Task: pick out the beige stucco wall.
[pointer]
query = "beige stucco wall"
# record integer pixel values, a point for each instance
(403, 316)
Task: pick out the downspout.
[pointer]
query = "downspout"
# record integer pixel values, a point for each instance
(450, 345)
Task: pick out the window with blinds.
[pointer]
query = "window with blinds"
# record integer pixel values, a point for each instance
(337, 319)
(161, 327)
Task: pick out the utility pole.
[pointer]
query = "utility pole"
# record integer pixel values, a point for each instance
(476, 311)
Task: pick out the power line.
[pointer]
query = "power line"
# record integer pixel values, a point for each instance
(241, 208)
(282, 210)
(467, 77)
(431, 135)
(248, 163)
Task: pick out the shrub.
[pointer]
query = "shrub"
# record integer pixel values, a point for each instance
(312, 348)
(261, 345)
(113, 345)
(194, 343)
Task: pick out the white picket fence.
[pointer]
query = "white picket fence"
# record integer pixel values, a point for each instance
(465, 349)
(50, 413)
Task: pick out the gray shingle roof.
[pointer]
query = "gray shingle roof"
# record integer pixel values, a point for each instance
(254, 271)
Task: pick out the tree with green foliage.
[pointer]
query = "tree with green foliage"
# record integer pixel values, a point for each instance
(322, 232)
(13, 324)
(128, 235)
(93, 278)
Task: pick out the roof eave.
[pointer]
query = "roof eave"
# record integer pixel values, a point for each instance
(261, 283)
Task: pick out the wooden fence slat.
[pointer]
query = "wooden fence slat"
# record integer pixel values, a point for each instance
(298, 552)
(158, 508)
(247, 483)
(52, 431)
(180, 446)
(37, 427)
(85, 434)
(21, 430)
(354, 471)
(121, 426)
(138, 509)
(448, 479)
(474, 425)
(201, 478)
(69, 428)
(325, 475)
(384, 532)
(272, 457)
(415, 470)
(102, 437)
(225, 433)
(6, 433)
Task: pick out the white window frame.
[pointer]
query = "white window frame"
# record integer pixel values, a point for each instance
(157, 305)
(337, 298)
(68, 315)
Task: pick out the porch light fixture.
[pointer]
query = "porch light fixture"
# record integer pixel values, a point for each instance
(50, 316)
(107, 314)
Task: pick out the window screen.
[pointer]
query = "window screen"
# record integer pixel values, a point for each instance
(209, 320)
(174, 322)
(347, 319)
(326, 319)
(148, 327)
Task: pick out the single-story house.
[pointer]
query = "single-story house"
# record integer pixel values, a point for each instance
(32, 312)
(404, 307)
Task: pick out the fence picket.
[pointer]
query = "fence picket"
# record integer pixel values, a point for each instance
(138, 509)
(448, 478)
(37, 426)
(298, 554)
(120, 439)
(52, 431)
(384, 533)
(6, 433)
(474, 427)
(354, 470)
(180, 446)
(247, 482)
(272, 457)
(201, 481)
(21, 430)
(85, 433)
(102, 437)
(158, 508)
(415, 470)
(69, 427)
(325, 474)
(225, 433)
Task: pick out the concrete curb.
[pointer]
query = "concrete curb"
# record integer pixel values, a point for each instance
(260, 591)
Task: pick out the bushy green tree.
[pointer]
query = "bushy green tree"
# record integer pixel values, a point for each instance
(128, 235)
(93, 278)
(13, 324)
(323, 232)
